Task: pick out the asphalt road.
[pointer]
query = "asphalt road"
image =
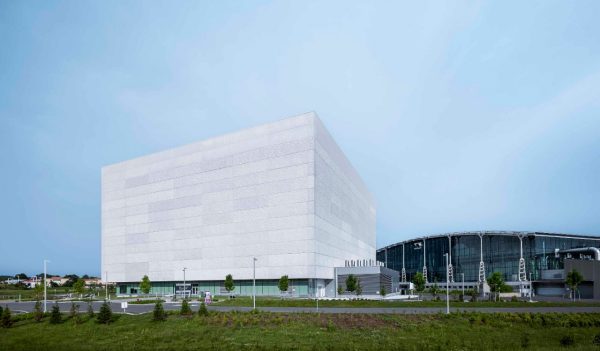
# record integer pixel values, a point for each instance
(21, 307)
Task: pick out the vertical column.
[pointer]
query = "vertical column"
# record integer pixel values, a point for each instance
(481, 264)
(403, 269)
(386, 263)
(450, 269)
(522, 272)
(424, 261)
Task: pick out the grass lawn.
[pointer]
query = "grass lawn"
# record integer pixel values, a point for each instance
(29, 294)
(275, 302)
(241, 331)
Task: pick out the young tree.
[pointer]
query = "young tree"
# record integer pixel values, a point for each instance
(434, 290)
(38, 290)
(496, 283)
(358, 288)
(229, 286)
(74, 313)
(419, 282)
(351, 283)
(90, 310)
(382, 291)
(6, 318)
(55, 316)
(79, 287)
(145, 285)
(473, 293)
(74, 310)
(574, 278)
(340, 290)
(203, 311)
(159, 312)
(185, 308)
(72, 278)
(105, 314)
(38, 314)
(284, 283)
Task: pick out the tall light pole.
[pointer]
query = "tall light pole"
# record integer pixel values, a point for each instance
(317, 296)
(184, 288)
(106, 285)
(447, 287)
(530, 287)
(254, 282)
(45, 309)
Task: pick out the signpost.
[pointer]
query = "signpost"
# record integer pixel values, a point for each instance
(124, 306)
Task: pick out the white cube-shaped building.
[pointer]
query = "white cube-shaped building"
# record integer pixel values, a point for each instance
(283, 193)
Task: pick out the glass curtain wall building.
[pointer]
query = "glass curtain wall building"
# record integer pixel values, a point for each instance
(478, 254)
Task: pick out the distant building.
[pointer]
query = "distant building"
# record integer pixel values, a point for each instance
(92, 281)
(13, 281)
(521, 258)
(58, 280)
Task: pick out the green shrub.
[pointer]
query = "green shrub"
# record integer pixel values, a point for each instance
(6, 318)
(22, 317)
(514, 299)
(74, 310)
(159, 312)
(38, 314)
(203, 311)
(105, 316)
(596, 340)
(90, 310)
(55, 316)
(525, 341)
(74, 314)
(145, 302)
(185, 308)
(472, 319)
(567, 340)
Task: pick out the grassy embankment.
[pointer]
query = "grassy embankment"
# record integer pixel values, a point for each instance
(236, 330)
(245, 301)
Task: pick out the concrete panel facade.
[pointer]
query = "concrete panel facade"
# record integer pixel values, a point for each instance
(281, 192)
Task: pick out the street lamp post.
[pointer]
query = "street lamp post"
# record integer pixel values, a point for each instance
(45, 298)
(184, 288)
(317, 296)
(447, 287)
(530, 287)
(254, 282)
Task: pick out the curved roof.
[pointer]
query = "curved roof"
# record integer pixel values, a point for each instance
(496, 232)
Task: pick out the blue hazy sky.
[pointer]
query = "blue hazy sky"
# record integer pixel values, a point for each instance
(459, 116)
